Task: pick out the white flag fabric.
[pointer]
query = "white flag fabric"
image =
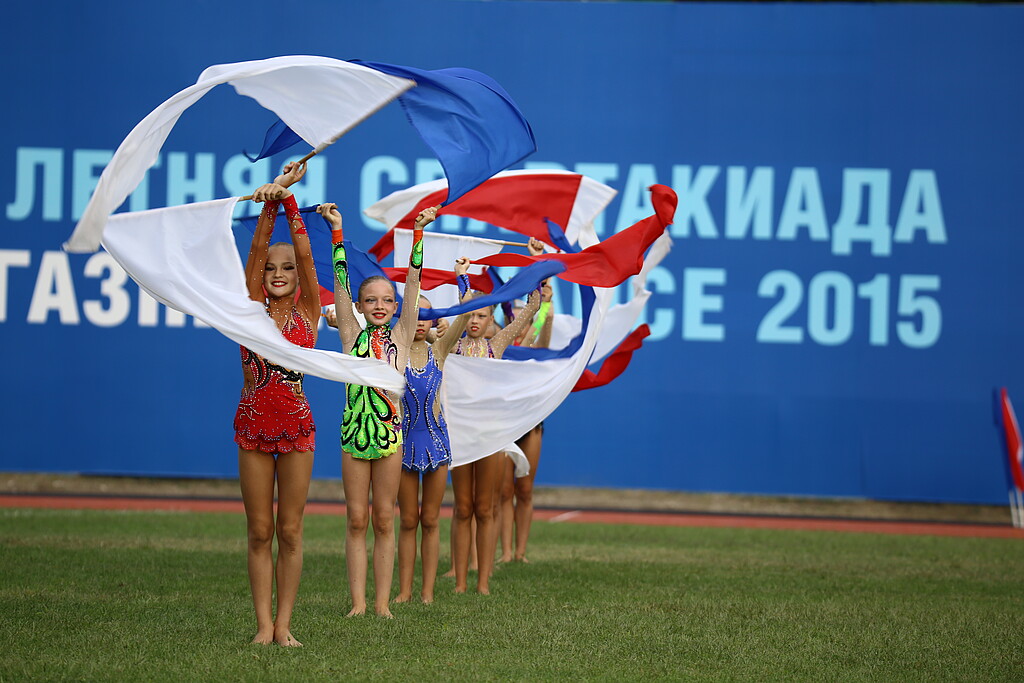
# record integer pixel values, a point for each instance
(440, 251)
(319, 98)
(186, 258)
(491, 403)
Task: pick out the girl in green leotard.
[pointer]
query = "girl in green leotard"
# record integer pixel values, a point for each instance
(371, 430)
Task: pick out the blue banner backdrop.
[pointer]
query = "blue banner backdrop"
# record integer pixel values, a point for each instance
(831, 322)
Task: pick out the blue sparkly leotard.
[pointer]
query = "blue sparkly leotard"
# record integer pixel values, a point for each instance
(425, 432)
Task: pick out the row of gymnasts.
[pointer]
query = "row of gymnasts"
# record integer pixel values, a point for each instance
(389, 443)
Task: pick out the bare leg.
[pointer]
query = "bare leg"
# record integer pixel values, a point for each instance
(256, 476)
(487, 472)
(433, 492)
(472, 537)
(409, 505)
(355, 477)
(492, 539)
(507, 513)
(462, 482)
(385, 475)
(451, 543)
(293, 473)
(530, 443)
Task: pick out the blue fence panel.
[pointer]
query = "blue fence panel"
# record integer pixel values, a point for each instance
(834, 316)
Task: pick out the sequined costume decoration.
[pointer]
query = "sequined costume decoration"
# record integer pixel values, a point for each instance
(424, 429)
(371, 424)
(474, 348)
(371, 427)
(273, 413)
(340, 263)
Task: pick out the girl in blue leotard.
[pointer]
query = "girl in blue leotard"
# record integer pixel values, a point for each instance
(426, 453)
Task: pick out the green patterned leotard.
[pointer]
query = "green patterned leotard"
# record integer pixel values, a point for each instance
(371, 427)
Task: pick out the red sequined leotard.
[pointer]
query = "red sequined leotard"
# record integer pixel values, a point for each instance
(273, 414)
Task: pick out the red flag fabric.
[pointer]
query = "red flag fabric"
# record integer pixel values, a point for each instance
(433, 277)
(615, 364)
(516, 200)
(384, 246)
(609, 262)
(1014, 445)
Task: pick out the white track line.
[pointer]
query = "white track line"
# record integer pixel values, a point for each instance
(566, 516)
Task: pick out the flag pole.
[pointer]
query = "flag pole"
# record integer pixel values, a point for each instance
(511, 244)
(1016, 508)
(486, 239)
(301, 162)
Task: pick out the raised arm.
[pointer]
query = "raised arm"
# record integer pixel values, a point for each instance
(405, 330)
(309, 288)
(348, 326)
(513, 329)
(507, 334)
(539, 335)
(446, 342)
(257, 261)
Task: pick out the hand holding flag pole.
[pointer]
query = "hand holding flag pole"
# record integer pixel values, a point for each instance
(300, 164)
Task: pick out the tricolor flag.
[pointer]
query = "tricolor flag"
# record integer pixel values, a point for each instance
(318, 98)
(1015, 456)
(522, 201)
(472, 125)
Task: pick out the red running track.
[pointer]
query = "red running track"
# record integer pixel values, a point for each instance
(679, 519)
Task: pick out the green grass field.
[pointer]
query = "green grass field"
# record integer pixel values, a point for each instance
(90, 595)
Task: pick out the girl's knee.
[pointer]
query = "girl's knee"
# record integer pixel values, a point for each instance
(429, 522)
(524, 491)
(260, 533)
(383, 525)
(289, 535)
(463, 511)
(357, 521)
(484, 510)
(410, 521)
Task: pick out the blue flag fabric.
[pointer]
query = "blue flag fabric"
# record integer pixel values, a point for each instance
(466, 118)
(279, 137)
(587, 300)
(558, 238)
(473, 126)
(524, 282)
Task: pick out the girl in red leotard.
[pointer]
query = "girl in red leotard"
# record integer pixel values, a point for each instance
(274, 428)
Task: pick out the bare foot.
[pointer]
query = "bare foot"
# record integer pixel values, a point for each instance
(483, 590)
(384, 613)
(286, 640)
(460, 589)
(400, 598)
(265, 636)
(504, 558)
(449, 573)
(357, 611)
(522, 558)
(427, 599)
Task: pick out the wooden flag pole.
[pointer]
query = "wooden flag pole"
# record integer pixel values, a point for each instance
(303, 160)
